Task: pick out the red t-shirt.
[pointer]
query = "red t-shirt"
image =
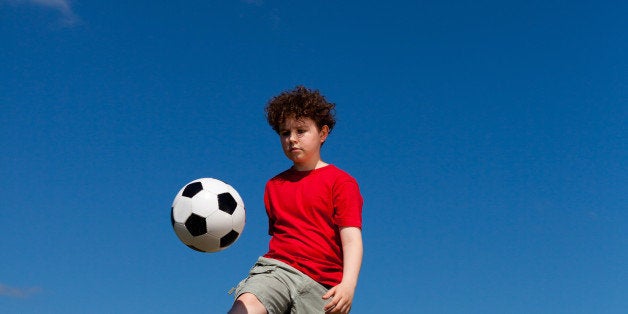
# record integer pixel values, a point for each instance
(305, 209)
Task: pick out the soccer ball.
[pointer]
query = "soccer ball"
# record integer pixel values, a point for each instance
(208, 215)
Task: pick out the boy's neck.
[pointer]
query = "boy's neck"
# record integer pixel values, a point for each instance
(300, 167)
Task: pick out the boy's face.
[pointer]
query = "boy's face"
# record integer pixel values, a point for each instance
(301, 141)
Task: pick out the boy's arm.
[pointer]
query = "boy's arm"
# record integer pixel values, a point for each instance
(351, 238)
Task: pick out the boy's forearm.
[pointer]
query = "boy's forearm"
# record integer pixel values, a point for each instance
(351, 238)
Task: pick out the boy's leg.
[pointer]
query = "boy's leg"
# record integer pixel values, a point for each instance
(283, 289)
(310, 299)
(263, 287)
(247, 303)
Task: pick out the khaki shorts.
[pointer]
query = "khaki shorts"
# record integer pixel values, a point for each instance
(283, 289)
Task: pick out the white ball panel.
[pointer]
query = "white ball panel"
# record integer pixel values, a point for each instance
(213, 185)
(238, 219)
(182, 233)
(204, 203)
(219, 223)
(206, 243)
(182, 209)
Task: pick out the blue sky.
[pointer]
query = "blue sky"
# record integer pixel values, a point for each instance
(488, 138)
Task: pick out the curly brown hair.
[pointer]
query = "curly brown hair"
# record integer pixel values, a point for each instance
(300, 102)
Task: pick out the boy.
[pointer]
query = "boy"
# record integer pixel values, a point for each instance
(315, 218)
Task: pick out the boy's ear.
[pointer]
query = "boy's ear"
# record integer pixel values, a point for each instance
(324, 132)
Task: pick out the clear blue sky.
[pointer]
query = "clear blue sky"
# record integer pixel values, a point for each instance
(489, 139)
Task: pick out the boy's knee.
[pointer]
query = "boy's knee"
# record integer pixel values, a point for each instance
(249, 304)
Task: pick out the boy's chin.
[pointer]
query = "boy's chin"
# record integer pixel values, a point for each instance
(295, 157)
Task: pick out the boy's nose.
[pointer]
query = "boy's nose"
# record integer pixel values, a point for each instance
(293, 137)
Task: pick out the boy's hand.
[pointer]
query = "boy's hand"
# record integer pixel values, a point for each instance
(341, 299)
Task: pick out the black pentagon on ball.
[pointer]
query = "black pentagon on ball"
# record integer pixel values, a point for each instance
(227, 203)
(229, 238)
(196, 225)
(192, 189)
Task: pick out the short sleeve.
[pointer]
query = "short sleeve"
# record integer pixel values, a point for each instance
(347, 203)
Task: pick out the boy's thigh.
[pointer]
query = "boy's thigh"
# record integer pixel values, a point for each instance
(264, 284)
(310, 299)
(283, 289)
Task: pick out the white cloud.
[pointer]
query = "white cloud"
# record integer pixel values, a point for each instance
(64, 7)
(12, 292)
